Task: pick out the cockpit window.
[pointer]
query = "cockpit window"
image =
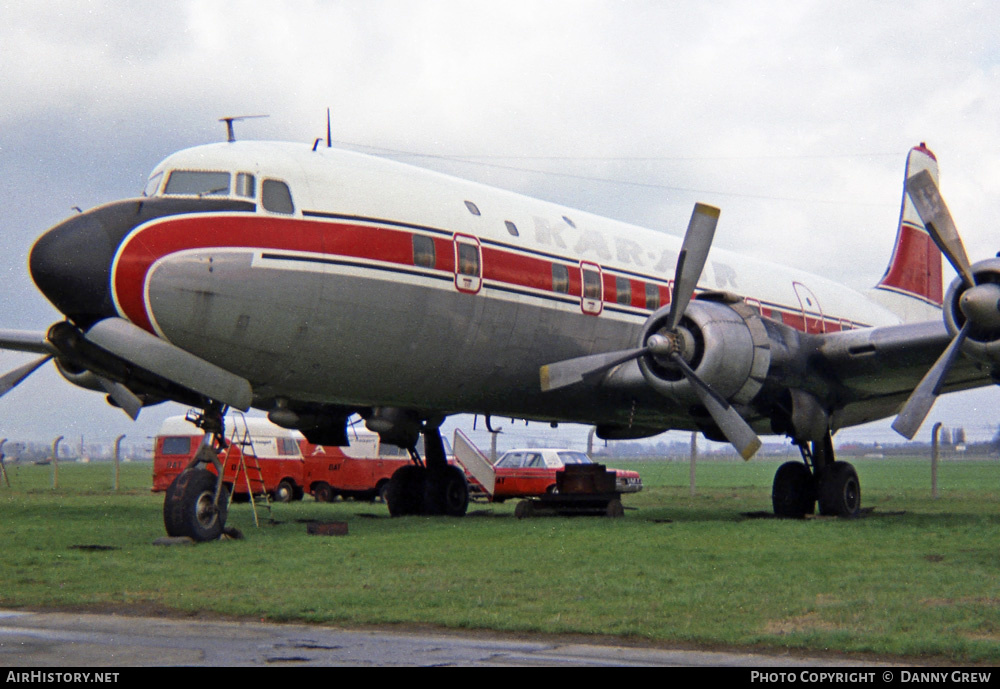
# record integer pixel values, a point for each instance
(197, 183)
(153, 184)
(276, 196)
(246, 185)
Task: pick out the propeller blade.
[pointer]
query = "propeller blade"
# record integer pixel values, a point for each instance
(934, 213)
(12, 379)
(572, 371)
(691, 261)
(729, 421)
(922, 398)
(123, 397)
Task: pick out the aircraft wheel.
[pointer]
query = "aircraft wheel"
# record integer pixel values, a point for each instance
(285, 492)
(839, 491)
(446, 492)
(189, 508)
(405, 493)
(794, 491)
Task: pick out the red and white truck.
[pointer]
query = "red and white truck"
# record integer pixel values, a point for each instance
(290, 466)
(275, 449)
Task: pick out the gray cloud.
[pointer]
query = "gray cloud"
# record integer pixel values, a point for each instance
(794, 117)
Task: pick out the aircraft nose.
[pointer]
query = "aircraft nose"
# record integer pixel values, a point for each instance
(71, 265)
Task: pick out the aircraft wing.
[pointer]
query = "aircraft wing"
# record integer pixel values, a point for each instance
(870, 373)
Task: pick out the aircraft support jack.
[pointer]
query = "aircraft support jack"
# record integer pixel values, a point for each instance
(197, 502)
(819, 477)
(434, 487)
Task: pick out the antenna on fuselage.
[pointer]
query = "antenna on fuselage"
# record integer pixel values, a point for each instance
(329, 135)
(230, 134)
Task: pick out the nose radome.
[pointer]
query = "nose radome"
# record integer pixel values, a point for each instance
(71, 265)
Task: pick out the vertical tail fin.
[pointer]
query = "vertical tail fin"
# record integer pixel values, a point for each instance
(915, 267)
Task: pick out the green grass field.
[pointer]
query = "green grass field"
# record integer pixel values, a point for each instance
(915, 577)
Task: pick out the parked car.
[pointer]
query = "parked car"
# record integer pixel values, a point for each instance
(532, 472)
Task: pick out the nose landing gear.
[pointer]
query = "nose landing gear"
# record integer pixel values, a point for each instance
(197, 503)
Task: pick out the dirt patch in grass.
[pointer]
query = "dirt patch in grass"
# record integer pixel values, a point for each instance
(810, 622)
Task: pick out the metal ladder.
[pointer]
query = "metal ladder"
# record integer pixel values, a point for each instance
(249, 465)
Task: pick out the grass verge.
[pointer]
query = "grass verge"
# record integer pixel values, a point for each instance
(915, 577)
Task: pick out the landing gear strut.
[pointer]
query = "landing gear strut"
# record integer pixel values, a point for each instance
(197, 502)
(431, 487)
(798, 486)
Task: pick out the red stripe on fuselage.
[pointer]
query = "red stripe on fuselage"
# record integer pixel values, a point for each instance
(171, 235)
(166, 236)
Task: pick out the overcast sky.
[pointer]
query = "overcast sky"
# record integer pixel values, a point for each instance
(794, 117)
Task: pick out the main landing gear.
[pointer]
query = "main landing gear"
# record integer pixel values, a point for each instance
(798, 486)
(197, 502)
(431, 487)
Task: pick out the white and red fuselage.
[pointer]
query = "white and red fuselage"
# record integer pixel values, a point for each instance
(325, 277)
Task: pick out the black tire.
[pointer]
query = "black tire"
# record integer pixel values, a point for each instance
(381, 490)
(285, 492)
(446, 492)
(323, 492)
(405, 492)
(189, 507)
(839, 491)
(793, 493)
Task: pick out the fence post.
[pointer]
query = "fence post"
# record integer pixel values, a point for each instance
(118, 446)
(3, 467)
(934, 459)
(55, 462)
(694, 457)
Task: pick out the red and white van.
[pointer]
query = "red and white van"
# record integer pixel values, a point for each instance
(289, 464)
(361, 470)
(276, 450)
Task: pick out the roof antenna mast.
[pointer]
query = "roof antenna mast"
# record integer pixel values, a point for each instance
(230, 134)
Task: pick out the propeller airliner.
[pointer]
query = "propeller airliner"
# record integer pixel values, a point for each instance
(315, 284)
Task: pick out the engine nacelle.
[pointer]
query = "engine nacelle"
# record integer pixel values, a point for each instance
(980, 307)
(723, 340)
(79, 377)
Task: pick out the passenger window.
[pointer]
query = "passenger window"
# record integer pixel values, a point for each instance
(276, 197)
(473, 208)
(560, 278)
(511, 228)
(652, 296)
(468, 259)
(591, 284)
(623, 289)
(423, 251)
(246, 185)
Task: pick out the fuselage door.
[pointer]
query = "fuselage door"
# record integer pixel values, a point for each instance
(812, 312)
(468, 264)
(592, 288)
